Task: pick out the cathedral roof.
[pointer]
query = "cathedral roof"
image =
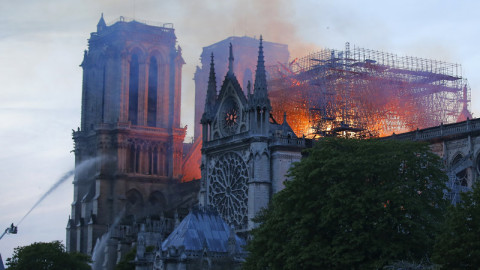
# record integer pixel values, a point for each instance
(238, 89)
(201, 230)
(132, 28)
(283, 128)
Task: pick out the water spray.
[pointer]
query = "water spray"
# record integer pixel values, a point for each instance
(99, 249)
(82, 166)
(52, 188)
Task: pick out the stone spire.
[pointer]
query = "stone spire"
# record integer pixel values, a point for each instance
(101, 25)
(260, 87)
(212, 84)
(211, 91)
(230, 61)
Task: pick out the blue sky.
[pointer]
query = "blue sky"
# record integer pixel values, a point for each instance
(42, 43)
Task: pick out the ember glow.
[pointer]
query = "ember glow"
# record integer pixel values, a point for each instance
(365, 93)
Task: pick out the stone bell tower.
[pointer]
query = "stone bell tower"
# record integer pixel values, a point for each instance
(130, 123)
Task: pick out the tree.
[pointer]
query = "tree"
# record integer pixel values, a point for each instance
(46, 256)
(458, 244)
(352, 204)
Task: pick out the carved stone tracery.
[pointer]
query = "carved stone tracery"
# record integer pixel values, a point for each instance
(228, 185)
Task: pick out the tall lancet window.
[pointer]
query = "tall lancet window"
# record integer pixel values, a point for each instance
(133, 91)
(152, 93)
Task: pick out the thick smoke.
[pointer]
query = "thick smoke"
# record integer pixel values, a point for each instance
(214, 21)
(203, 23)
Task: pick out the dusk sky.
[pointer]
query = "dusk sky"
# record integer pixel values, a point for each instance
(42, 44)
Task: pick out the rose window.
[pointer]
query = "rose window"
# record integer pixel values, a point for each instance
(229, 117)
(228, 185)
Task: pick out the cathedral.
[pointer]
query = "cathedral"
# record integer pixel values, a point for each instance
(130, 129)
(246, 153)
(137, 193)
(130, 125)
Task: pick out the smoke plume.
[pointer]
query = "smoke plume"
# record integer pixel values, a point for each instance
(214, 21)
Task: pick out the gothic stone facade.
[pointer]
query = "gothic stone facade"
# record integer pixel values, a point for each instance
(130, 123)
(245, 152)
(458, 145)
(246, 50)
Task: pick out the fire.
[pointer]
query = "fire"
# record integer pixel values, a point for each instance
(344, 93)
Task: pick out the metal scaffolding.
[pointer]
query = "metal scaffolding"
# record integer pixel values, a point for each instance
(367, 93)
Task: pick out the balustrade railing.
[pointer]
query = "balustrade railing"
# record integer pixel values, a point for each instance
(288, 141)
(439, 131)
(277, 140)
(168, 27)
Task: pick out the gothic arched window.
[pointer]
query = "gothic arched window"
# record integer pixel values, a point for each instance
(157, 199)
(131, 158)
(152, 93)
(133, 90)
(155, 161)
(133, 163)
(135, 204)
(462, 176)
